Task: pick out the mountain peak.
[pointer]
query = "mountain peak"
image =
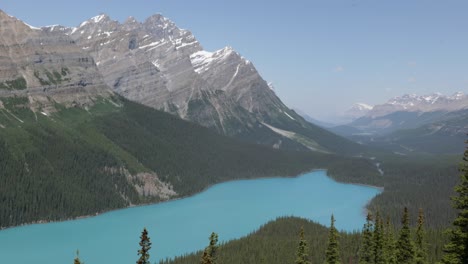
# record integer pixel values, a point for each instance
(158, 20)
(203, 60)
(99, 18)
(96, 20)
(362, 106)
(458, 95)
(6, 17)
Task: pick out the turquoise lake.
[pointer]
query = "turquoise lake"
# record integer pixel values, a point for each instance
(233, 209)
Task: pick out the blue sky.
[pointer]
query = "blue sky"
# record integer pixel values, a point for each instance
(322, 56)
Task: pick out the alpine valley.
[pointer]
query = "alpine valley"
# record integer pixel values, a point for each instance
(108, 115)
(83, 128)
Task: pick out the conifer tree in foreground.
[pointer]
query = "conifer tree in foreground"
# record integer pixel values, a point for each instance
(209, 254)
(421, 248)
(77, 259)
(405, 247)
(302, 257)
(389, 244)
(365, 251)
(145, 245)
(332, 255)
(378, 240)
(456, 250)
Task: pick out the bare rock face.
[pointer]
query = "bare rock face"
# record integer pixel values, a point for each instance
(164, 67)
(154, 63)
(45, 65)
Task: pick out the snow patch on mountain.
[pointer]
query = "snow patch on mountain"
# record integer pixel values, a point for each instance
(202, 60)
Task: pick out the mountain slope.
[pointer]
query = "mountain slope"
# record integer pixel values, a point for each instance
(117, 153)
(441, 136)
(162, 66)
(408, 112)
(45, 66)
(71, 147)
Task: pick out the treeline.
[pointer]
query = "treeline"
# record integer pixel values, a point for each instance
(57, 167)
(53, 168)
(191, 157)
(376, 244)
(413, 182)
(277, 242)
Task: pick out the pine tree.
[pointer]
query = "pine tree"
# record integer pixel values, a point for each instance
(77, 259)
(145, 245)
(405, 247)
(378, 241)
(456, 250)
(332, 255)
(365, 251)
(389, 244)
(209, 254)
(302, 257)
(421, 247)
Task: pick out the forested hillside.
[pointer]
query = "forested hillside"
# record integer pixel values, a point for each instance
(78, 161)
(277, 242)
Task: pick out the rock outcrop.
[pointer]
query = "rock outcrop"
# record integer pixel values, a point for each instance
(44, 65)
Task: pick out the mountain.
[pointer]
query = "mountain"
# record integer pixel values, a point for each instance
(358, 110)
(426, 103)
(441, 136)
(407, 112)
(46, 67)
(164, 67)
(433, 123)
(70, 146)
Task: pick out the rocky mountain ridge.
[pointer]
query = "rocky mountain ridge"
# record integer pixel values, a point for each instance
(162, 66)
(423, 103)
(46, 67)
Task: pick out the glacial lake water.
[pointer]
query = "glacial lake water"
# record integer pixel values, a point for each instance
(233, 209)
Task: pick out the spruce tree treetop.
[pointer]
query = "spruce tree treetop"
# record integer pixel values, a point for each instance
(77, 259)
(405, 246)
(145, 245)
(210, 252)
(302, 256)
(367, 243)
(421, 245)
(456, 250)
(378, 240)
(332, 255)
(389, 243)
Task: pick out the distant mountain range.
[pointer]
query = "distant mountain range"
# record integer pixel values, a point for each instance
(431, 123)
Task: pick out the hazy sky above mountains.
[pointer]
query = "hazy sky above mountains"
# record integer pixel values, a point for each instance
(321, 56)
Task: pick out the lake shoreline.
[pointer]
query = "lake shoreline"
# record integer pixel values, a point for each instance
(232, 209)
(39, 222)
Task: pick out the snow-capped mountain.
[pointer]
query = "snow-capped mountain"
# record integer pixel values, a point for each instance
(162, 66)
(407, 112)
(358, 110)
(425, 103)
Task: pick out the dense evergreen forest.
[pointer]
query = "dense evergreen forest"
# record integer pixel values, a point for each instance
(277, 241)
(54, 166)
(379, 242)
(73, 162)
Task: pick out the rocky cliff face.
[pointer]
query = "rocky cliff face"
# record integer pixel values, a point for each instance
(46, 66)
(162, 66)
(157, 64)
